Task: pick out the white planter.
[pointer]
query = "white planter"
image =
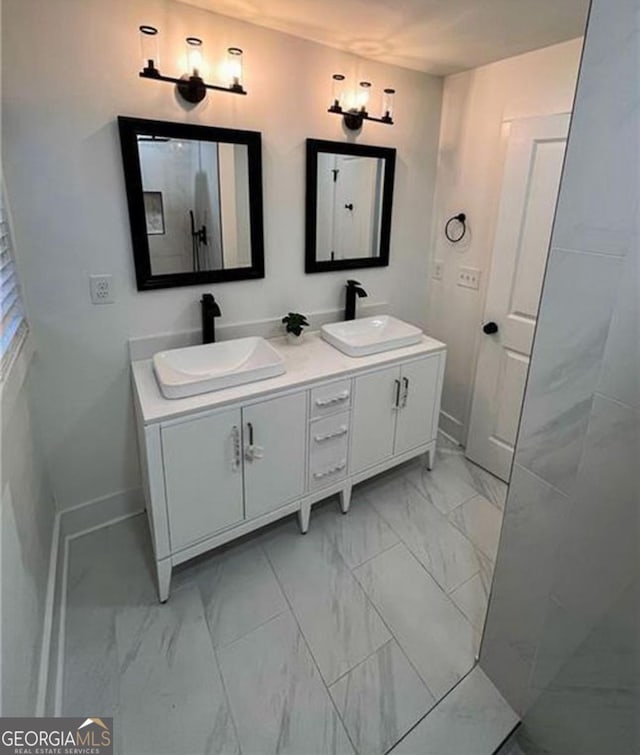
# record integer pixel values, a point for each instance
(295, 340)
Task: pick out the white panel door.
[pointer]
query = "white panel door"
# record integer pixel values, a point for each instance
(530, 185)
(415, 423)
(203, 476)
(374, 417)
(274, 469)
(356, 212)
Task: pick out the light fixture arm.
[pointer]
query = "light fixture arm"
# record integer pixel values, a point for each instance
(353, 119)
(190, 87)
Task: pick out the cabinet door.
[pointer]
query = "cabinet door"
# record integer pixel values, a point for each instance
(374, 416)
(275, 472)
(202, 477)
(415, 423)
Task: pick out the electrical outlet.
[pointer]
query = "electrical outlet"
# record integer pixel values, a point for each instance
(469, 277)
(101, 288)
(438, 270)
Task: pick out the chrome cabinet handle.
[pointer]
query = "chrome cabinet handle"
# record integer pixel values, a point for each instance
(251, 451)
(332, 470)
(405, 393)
(342, 430)
(235, 464)
(333, 400)
(396, 404)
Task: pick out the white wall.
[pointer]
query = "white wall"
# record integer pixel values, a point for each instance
(63, 89)
(26, 523)
(471, 157)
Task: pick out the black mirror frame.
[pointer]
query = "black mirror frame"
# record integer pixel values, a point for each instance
(388, 154)
(129, 129)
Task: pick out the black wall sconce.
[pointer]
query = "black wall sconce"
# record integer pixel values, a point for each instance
(355, 115)
(191, 86)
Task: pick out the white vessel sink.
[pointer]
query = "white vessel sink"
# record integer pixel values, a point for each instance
(213, 366)
(370, 335)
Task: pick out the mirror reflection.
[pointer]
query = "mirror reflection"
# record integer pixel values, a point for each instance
(349, 207)
(349, 202)
(196, 203)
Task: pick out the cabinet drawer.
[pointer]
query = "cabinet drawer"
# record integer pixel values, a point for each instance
(328, 450)
(329, 399)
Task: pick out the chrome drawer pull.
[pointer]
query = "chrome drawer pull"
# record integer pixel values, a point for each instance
(332, 470)
(333, 400)
(251, 451)
(342, 430)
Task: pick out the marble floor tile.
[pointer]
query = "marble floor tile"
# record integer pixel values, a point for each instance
(358, 535)
(473, 719)
(339, 623)
(239, 591)
(107, 569)
(171, 694)
(278, 700)
(447, 555)
(380, 700)
(454, 479)
(443, 486)
(472, 599)
(510, 747)
(480, 522)
(436, 637)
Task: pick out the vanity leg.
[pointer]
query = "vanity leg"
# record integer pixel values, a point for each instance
(431, 456)
(304, 514)
(164, 579)
(345, 498)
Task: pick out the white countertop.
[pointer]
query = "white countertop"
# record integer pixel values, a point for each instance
(312, 361)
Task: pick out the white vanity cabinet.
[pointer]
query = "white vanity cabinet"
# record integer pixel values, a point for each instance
(219, 465)
(395, 411)
(203, 476)
(227, 466)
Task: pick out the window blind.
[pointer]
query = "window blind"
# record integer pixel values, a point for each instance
(14, 324)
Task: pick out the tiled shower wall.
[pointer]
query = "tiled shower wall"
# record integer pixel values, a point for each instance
(561, 640)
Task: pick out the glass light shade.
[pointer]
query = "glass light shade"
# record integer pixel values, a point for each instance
(363, 95)
(337, 90)
(194, 55)
(388, 96)
(149, 48)
(234, 67)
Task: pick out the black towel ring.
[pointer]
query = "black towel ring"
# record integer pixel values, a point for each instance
(461, 218)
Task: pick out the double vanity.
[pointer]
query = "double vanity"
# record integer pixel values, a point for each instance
(237, 434)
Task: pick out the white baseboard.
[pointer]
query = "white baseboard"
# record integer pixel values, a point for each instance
(452, 427)
(70, 524)
(99, 512)
(47, 625)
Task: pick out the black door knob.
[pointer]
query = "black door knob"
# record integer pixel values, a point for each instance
(490, 328)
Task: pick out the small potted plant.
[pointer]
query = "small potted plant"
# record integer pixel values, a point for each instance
(294, 323)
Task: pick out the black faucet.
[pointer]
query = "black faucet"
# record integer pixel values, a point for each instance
(210, 310)
(353, 289)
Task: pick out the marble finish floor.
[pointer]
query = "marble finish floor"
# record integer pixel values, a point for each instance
(340, 641)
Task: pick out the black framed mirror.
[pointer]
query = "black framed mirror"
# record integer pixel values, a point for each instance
(349, 202)
(195, 202)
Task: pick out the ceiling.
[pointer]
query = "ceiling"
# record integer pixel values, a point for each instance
(434, 36)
